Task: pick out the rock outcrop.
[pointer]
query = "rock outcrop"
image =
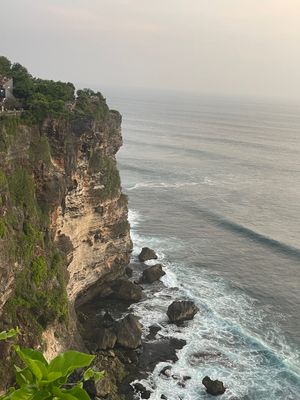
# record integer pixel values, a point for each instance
(180, 311)
(152, 274)
(147, 254)
(129, 332)
(127, 291)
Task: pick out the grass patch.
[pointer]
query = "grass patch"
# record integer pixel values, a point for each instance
(3, 228)
(110, 177)
(40, 150)
(39, 270)
(10, 123)
(22, 190)
(39, 296)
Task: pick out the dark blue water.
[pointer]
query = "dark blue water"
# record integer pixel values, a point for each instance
(214, 187)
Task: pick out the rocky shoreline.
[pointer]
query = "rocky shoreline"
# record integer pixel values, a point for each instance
(112, 332)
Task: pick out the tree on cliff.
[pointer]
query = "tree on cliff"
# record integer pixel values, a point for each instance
(5, 66)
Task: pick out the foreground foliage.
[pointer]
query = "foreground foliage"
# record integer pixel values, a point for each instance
(40, 380)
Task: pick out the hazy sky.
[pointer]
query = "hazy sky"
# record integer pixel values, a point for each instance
(247, 47)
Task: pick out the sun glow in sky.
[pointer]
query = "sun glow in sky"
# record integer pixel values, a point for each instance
(234, 47)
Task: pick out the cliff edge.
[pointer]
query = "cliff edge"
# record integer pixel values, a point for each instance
(63, 216)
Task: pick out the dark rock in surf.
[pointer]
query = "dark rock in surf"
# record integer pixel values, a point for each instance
(166, 371)
(140, 389)
(162, 350)
(129, 332)
(180, 311)
(152, 274)
(215, 388)
(153, 329)
(163, 397)
(147, 254)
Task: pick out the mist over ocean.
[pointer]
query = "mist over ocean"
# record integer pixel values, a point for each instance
(214, 187)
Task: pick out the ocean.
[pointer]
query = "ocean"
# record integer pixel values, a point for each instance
(214, 188)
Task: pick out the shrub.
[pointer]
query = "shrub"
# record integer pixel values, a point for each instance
(22, 190)
(41, 380)
(39, 269)
(110, 177)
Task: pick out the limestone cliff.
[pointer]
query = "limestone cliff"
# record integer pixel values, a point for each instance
(63, 219)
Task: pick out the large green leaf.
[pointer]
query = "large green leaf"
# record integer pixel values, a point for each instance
(38, 369)
(23, 376)
(31, 354)
(35, 361)
(53, 376)
(43, 395)
(63, 395)
(25, 393)
(67, 362)
(79, 393)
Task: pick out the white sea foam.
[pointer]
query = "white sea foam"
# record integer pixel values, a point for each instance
(210, 181)
(230, 334)
(134, 218)
(162, 185)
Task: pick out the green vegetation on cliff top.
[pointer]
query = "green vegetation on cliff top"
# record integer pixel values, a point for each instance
(41, 98)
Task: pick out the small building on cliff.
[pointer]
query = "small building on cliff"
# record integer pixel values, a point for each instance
(6, 88)
(6, 91)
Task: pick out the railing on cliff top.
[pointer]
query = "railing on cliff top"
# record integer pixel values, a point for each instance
(10, 112)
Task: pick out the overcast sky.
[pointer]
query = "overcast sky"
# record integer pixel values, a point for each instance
(243, 47)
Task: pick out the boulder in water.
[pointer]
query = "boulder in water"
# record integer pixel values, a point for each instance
(152, 274)
(147, 254)
(166, 371)
(214, 388)
(129, 332)
(144, 393)
(180, 311)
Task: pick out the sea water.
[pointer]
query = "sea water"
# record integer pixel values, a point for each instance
(214, 188)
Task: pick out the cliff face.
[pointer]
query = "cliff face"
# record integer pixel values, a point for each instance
(93, 217)
(63, 222)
